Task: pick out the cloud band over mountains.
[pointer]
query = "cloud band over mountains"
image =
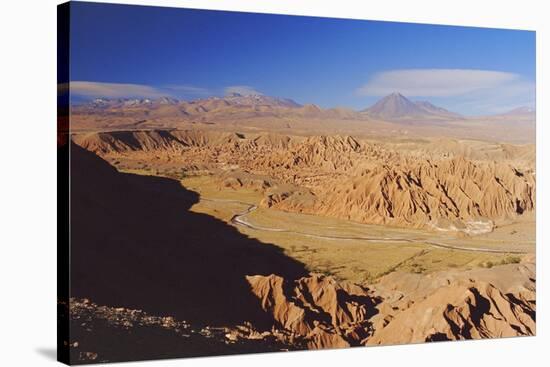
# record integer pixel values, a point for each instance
(113, 90)
(244, 90)
(127, 90)
(469, 89)
(435, 82)
(89, 89)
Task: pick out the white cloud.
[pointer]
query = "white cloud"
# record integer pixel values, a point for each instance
(188, 89)
(114, 90)
(497, 100)
(435, 82)
(126, 90)
(245, 90)
(466, 90)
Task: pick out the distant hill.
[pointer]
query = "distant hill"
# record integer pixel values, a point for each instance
(524, 110)
(522, 114)
(131, 111)
(396, 106)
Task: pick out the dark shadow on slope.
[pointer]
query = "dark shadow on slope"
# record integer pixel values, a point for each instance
(135, 244)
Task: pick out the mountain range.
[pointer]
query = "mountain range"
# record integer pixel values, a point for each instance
(233, 99)
(393, 114)
(393, 107)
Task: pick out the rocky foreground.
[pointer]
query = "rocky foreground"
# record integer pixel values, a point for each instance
(402, 308)
(111, 334)
(319, 311)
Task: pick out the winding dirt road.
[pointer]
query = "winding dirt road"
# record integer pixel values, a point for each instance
(239, 220)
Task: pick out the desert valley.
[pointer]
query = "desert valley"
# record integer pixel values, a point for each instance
(251, 223)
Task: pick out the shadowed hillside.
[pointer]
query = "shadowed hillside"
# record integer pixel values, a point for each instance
(135, 244)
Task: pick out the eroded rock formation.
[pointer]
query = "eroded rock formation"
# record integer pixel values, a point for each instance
(343, 177)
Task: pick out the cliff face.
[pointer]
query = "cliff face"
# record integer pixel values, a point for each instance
(462, 310)
(452, 194)
(326, 313)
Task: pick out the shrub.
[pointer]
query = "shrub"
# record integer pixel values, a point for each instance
(510, 260)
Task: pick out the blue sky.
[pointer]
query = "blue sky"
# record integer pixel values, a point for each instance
(137, 51)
